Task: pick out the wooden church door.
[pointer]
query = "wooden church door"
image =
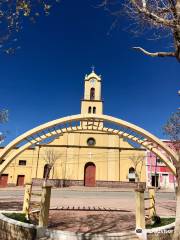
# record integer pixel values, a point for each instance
(90, 175)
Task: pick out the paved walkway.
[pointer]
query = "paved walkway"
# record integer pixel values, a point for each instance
(83, 197)
(87, 189)
(79, 209)
(93, 222)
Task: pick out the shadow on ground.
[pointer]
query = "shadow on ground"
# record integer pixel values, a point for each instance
(7, 204)
(91, 222)
(13, 205)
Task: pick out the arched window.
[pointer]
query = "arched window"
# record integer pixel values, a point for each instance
(131, 170)
(46, 171)
(92, 94)
(94, 109)
(89, 110)
(131, 176)
(91, 142)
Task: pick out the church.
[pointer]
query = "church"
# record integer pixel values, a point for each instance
(85, 157)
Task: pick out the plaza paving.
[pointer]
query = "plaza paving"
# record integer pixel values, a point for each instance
(94, 210)
(92, 221)
(88, 198)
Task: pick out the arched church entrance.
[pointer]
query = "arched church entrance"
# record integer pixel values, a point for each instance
(90, 175)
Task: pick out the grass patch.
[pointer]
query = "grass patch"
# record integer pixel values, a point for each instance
(21, 217)
(163, 222)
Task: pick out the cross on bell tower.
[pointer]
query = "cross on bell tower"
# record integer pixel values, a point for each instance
(93, 68)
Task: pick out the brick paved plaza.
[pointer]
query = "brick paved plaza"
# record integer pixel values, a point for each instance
(121, 199)
(78, 207)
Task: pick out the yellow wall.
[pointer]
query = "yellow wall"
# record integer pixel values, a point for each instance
(110, 155)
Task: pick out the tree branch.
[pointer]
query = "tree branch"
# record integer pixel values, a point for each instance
(156, 54)
(153, 16)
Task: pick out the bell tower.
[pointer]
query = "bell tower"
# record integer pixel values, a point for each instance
(92, 102)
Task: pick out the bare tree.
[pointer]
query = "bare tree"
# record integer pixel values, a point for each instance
(50, 157)
(3, 119)
(12, 16)
(172, 130)
(138, 162)
(154, 15)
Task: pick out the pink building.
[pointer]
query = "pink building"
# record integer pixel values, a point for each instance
(158, 175)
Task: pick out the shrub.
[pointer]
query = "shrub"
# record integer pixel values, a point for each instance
(21, 217)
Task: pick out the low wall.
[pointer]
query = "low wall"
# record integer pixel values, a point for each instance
(66, 235)
(11, 229)
(69, 183)
(161, 233)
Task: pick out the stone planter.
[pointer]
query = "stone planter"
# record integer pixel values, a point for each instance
(11, 229)
(66, 235)
(158, 233)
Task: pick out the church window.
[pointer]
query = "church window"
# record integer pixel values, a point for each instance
(94, 109)
(89, 110)
(46, 171)
(22, 162)
(91, 142)
(131, 175)
(92, 94)
(159, 161)
(131, 170)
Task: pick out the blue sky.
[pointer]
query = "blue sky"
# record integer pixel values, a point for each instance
(44, 79)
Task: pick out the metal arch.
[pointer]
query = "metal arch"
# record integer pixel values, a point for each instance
(102, 129)
(85, 117)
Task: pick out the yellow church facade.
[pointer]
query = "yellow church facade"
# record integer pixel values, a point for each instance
(83, 157)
